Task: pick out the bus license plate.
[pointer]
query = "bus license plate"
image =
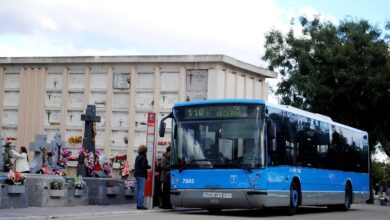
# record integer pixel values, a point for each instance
(219, 195)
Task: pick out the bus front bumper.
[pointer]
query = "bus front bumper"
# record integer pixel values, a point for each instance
(228, 199)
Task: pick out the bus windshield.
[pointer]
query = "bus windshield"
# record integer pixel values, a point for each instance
(226, 143)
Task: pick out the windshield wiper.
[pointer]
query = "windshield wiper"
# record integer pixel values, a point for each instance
(187, 165)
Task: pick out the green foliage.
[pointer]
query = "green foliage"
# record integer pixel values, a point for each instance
(342, 71)
(381, 173)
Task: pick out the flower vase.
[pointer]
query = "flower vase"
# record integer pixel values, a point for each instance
(16, 189)
(78, 192)
(112, 190)
(57, 193)
(129, 192)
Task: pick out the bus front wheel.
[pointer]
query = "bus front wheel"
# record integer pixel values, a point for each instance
(294, 199)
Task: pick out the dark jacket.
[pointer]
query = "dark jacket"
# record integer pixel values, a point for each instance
(141, 166)
(165, 166)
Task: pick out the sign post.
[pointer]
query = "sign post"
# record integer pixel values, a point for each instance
(150, 142)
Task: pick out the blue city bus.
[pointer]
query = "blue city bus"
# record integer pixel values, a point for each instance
(232, 153)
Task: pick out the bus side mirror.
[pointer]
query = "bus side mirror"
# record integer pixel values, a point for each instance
(161, 130)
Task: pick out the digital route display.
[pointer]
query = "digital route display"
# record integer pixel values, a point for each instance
(215, 111)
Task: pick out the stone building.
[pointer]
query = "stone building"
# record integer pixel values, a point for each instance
(49, 94)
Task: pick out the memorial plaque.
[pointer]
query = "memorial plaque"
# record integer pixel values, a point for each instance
(145, 81)
(98, 99)
(9, 132)
(99, 139)
(10, 117)
(51, 133)
(117, 138)
(76, 81)
(139, 138)
(121, 100)
(52, 117)
(76, 100)
(120, 119)
(73, 118)
(196, 80)
(144, 100)
(196, 85)
(141, 119)
(53, 99)
(170, 82)
(168, 100)
(99, 81)
(11, 99)
(121, 81)
(196, 95)
(12, 81)
(73, 132)
(102, 122)
(54, 81)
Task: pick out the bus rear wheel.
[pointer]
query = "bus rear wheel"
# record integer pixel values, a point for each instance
(347, 200)
(294, 199)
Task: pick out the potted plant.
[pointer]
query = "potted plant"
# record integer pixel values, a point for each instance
(57, 189)
(15, 182)
(111, 189)
(129, 187)
(79, 184)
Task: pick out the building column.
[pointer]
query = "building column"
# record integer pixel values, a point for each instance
(130, 144)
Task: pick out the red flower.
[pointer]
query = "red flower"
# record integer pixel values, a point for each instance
(96, 167)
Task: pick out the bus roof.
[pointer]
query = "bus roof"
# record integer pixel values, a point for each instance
(220, 101)
(291, 109)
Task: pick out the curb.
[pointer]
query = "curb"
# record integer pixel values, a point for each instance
(85, 215)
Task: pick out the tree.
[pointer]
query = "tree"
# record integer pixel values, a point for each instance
(342, 71)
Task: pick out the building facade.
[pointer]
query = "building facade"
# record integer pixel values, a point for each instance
(47, 95)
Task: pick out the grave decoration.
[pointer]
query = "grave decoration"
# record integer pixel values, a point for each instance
(78, 182)
(90, 119)
(62, 163)
(56, 148)
(41, 154)
(57, 189)
(15, 178)
(15, 182)
(6, 156)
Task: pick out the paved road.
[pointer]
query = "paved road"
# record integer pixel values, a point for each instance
(119, 212)
(356, 213)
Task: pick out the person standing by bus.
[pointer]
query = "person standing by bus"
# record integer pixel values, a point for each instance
(157, 182)
(166, 179)
(140, 173)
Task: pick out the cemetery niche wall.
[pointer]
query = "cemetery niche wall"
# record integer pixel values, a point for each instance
(123, 89)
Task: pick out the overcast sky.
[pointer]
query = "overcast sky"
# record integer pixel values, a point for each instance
(162, 27)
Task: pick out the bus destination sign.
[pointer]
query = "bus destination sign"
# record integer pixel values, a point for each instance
(216, 111)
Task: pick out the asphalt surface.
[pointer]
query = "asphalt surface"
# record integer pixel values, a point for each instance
(129, 211)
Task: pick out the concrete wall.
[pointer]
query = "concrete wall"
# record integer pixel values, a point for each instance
(48, 95)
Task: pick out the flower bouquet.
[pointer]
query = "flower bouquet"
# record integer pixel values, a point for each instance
(15, 178)
(57, 189)
(15, 182)
(129, 187)
(79, 184)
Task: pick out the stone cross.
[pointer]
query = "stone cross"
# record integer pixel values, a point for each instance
(90, 119)
(56, 145)
(41, 149)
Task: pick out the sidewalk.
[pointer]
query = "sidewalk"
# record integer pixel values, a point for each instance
(72, 212)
